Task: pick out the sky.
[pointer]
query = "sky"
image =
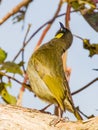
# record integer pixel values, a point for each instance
(12, 36)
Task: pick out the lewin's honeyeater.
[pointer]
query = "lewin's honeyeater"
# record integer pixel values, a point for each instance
(46, 74)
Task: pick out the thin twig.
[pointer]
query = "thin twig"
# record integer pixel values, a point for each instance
(21, 92)
(86, 86)
(14, 10)
(28, 29)
(1, 73)
(26, 43)
(21, 83)
(22, 89)
(20, 96)
(78, 37)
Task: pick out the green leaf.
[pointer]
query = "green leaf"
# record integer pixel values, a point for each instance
(3, 55)
(8, 98)
(76, 5)
(11, 67)
(5, 95)
(93, 48)
(87, 2)
(80, 4)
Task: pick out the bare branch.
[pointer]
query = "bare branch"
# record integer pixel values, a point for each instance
(86, 86)
(14, 10)
(19, 118)
(21, 92)
(28, 29)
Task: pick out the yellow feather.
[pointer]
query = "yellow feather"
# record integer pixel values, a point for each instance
(56, 87)
(59, 35)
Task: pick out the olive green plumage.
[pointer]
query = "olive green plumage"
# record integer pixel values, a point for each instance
(46, 74)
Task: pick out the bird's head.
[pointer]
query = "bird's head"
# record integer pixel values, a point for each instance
(64, 34)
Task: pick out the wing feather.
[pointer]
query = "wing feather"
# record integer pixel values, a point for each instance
(51, 72)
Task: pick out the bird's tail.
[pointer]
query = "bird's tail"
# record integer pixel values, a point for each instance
(70, 107)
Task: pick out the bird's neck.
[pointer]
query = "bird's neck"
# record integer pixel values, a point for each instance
(61, 45)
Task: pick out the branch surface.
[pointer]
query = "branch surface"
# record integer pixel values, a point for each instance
(19, 118)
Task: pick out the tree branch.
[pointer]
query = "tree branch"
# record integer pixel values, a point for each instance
(19, 118)
(14, 10)
(21, 83)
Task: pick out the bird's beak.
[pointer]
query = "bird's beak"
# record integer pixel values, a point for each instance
(62, 26)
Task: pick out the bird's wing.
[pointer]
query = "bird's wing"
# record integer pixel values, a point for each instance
(51, 71)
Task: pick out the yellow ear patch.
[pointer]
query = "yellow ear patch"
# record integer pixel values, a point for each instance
(59, 35)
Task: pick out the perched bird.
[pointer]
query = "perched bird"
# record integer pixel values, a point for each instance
(46, 74)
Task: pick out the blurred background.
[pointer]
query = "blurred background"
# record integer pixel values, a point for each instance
(40, 11)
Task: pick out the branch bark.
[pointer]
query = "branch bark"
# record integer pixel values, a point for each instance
(19, 118)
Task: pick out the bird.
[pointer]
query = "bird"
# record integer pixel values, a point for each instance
(46, 74)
